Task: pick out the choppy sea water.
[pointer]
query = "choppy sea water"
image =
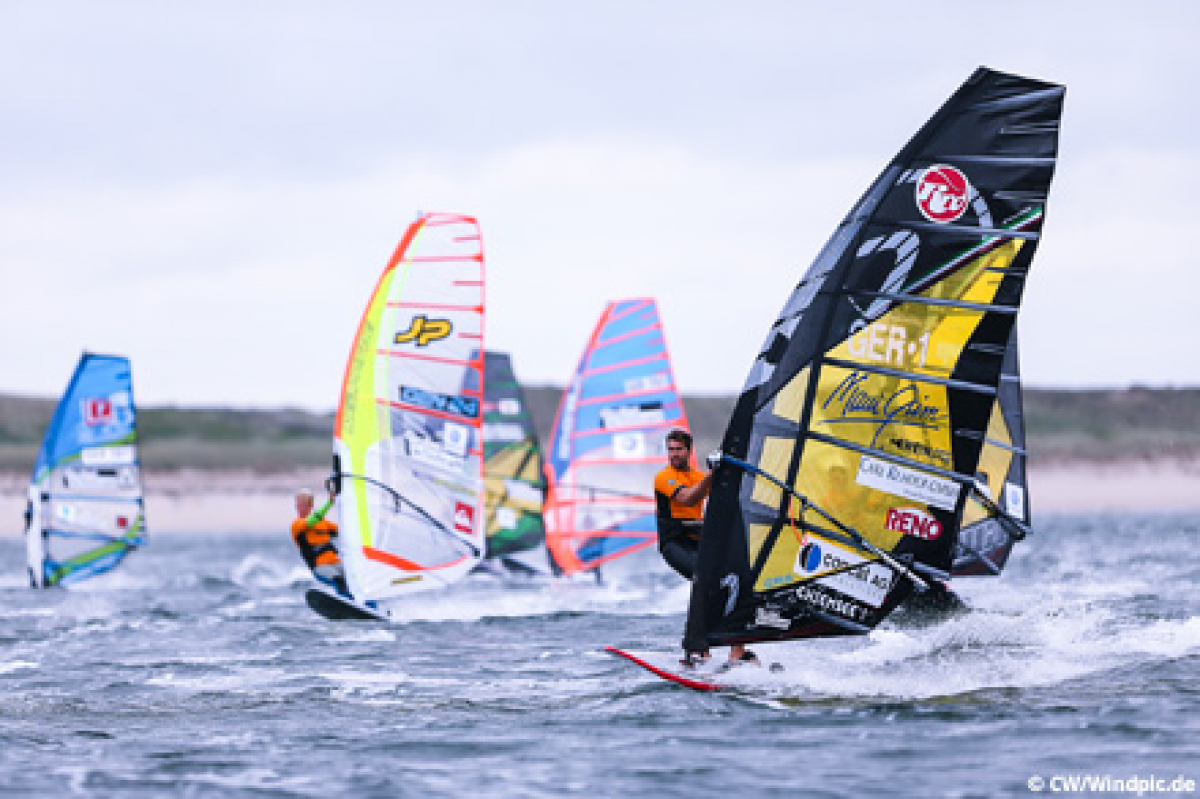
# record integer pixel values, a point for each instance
(197, 670)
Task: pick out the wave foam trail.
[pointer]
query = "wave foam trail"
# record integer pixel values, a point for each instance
(256, 571)
(1065, 637)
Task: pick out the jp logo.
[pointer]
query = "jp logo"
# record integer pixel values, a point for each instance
(423, 331)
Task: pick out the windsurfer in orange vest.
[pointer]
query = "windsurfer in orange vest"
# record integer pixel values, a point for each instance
(679, 494)
(314, 535)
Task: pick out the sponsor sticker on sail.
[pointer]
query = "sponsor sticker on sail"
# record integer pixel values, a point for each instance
(943, 193)
(1015, 496)
(908, 483)
(97, 411)
(108, 456)
(464, 518)
(917, 522)
(848, 572)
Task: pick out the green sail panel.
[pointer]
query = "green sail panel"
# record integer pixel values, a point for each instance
(513, 474)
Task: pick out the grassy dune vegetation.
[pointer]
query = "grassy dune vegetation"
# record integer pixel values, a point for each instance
(1063, 426)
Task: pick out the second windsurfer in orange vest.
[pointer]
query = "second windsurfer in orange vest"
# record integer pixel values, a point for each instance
(314, 536)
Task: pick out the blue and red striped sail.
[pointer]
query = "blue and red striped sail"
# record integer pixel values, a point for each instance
(608, 440)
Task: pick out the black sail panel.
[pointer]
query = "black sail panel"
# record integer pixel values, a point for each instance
(853, 448)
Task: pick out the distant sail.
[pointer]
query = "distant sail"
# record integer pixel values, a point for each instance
(513, 476)
(86, 511)
(997, 515)
(608, 440)
(407, 445)
(856, 440)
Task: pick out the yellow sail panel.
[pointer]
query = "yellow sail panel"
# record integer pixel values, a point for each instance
(929, 339)
(884, 502)
(756, 536)
(994, 463)
(827, 477)
(361, 423)
(774, 460)
(789, 402)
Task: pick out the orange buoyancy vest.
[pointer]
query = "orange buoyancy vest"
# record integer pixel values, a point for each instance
(316, 542)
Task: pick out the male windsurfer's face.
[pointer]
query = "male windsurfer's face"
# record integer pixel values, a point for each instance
(304, 505)
(677, 455)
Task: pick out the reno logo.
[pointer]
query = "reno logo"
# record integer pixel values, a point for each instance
(97, 411)
(943, 193)
(464, 518)
(915, 522)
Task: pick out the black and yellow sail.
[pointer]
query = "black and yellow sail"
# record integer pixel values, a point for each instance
(513, 477)
(854, 446)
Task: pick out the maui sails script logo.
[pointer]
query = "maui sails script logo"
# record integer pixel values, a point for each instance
(943, 193)
(851, 403)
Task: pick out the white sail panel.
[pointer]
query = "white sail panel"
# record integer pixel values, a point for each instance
(408, 443)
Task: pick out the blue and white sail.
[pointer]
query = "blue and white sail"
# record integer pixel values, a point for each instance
(86, 511)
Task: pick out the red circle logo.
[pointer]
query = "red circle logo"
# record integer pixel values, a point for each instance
(943, 193)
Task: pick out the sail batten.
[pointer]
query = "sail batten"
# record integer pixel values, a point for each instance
(873, 398)
(990, 235)
(920, 300)
(949, 474)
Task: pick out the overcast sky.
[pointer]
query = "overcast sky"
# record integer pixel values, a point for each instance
(213, 188)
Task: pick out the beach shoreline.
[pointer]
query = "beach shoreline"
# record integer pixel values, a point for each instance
(191, 502)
